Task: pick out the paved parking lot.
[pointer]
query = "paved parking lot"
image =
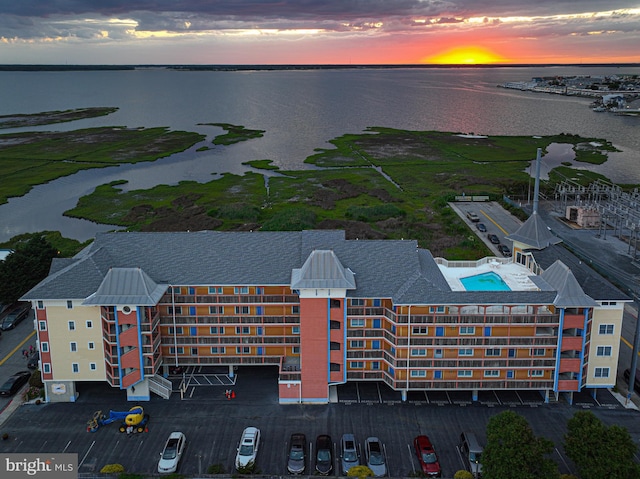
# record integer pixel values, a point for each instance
(213, 424)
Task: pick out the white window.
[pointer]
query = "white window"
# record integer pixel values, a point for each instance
(492, 373)
(242, 309)
(217, 350)
(465, 373)
(89, 324)
(69, 304)
(177, 330)
(296, 350)
(295, 309)
(467, 330)
(465, 352)
(419, 352)
(214, 309)
(356, 344)
(356, 364)
(243, 330)
(295, 330)
(92, 366)
(40, 304)
(46, 368)
(493, 352)
(91, 345)
(437, 353)
(75, 367)
(603, 351)
(605, 329)
(602, 372)
(536, 373)
(216, 330)
(538, 352)
(44, 347)
(357, 302)
(72, 325)
(172, 350)
(243, 350)
(419, 374)
(215, 290)
(42, 325)
(176, 309)
(241, 290)
(436, 309)
(420, 330)
(357, 323)
(73, 346)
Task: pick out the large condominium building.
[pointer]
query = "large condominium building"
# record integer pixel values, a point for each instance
(324, 311)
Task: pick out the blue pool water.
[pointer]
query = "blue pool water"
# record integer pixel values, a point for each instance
(484, 282)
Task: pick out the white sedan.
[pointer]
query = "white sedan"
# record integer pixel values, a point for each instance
(172, 452)
(248, 449)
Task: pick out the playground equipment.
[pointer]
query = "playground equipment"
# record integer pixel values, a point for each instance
(134, 420)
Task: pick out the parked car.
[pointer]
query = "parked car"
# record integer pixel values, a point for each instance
(15, 316)
(324, 456)
(172, 452)
(474, 218)
(34, 360)
(248, 449)
(349, 453)
(297, 458)
(636, 382)
(504, 249)
(471, 451)
(427, 456)
(374, 455)
(493, 238)
(14, 383)
(481, 227)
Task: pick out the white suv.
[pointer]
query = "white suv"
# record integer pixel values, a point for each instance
(248, 449)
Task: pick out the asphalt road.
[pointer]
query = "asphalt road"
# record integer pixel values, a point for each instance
(213, 425)
(12, 343)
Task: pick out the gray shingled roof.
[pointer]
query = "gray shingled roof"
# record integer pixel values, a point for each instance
(534, 233)
(395, 269)
(127, 286)
(322, 270)
(570, 294)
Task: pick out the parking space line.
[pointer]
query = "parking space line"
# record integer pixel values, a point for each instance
(563, 461)
(426, 397)
(66, 447)
(497, 398)
(413, 466)
(358, 392)
(85, 456)
(519, 398)
(379, 393)
(448, 397)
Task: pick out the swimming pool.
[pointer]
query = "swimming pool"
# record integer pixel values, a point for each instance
(484, 282)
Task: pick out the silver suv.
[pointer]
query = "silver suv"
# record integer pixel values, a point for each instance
(349, 456)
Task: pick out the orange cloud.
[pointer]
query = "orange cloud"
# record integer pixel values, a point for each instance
(465, 55)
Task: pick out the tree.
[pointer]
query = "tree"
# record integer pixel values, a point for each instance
(24, 268)
(600, 451)
(514, 452)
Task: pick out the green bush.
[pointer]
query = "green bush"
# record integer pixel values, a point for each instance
(250, 468)
(36, 380)
(374, 213)
(291, 219)
(462, 474)
(112, 469)
(359, 471)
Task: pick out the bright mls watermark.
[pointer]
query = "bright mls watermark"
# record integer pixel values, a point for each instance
(45, 466)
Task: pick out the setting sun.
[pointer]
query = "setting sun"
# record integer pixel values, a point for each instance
(465, 56)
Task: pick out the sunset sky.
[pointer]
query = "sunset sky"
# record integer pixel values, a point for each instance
(318, 32)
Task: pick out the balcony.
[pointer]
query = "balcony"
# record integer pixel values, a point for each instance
(573, 321)
(573, 343)
(569, 365)
(568, 385)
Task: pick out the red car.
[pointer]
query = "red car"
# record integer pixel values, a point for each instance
(427, 456)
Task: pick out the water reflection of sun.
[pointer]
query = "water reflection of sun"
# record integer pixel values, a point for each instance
(465, 56)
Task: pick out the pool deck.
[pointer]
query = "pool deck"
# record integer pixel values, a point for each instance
(514, 275)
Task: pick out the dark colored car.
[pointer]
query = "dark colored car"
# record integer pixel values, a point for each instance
(324, 455)
(14, 383)
(297, 458)
(427, 456)
(481, 227)
(493, 238)
(34, 360)
(504, 249)
(15, 316)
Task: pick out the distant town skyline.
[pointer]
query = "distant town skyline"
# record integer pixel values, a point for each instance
(319, 32)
